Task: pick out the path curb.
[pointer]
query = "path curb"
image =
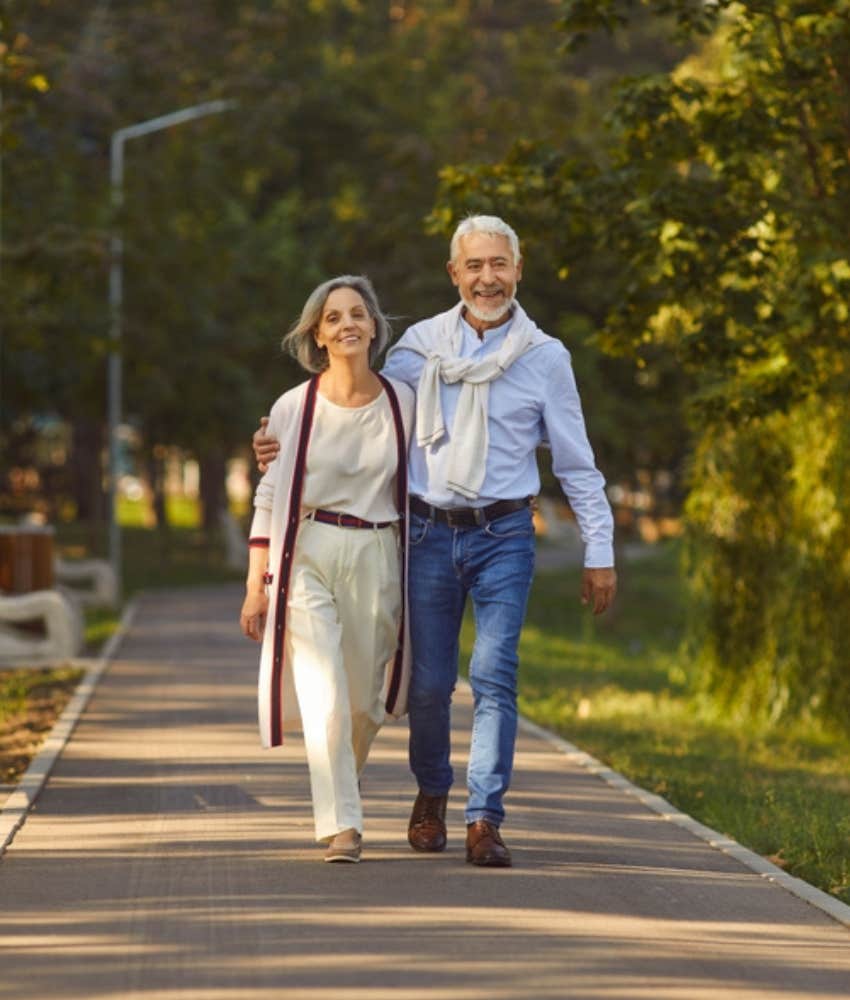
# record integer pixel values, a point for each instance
(18, 804)
(755, 862)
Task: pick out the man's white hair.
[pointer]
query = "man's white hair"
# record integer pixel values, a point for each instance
(491, 225)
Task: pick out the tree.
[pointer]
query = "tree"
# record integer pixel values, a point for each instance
(551, 186)
(346, 112)
(721, 210)
(53, 245)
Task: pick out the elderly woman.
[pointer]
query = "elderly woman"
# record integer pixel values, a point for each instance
(326, 576)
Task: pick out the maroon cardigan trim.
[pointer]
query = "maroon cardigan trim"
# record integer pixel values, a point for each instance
(286, 560)
(289, 548)
(259, 543)
(401, 502)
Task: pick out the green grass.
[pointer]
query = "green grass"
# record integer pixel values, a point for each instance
(31, 699)
(618, 687)
(183, 512)
(100, 623)
(180, 559)
(19, 687)
(177, 558)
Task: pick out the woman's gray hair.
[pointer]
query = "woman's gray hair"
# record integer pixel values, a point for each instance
(301, 339)
(492, 225)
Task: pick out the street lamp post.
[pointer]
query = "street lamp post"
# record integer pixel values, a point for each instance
(116, 296)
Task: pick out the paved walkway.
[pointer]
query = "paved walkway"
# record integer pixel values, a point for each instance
(169, 857)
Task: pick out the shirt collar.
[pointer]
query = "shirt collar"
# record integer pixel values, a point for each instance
(490, 334)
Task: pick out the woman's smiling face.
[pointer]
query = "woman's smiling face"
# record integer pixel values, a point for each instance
(346, 328)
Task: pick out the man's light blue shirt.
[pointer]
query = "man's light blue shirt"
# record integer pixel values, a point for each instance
(535, 401)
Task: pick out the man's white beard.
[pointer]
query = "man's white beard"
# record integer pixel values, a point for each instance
(490, 315)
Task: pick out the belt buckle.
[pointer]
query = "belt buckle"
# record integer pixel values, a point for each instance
(450, 519)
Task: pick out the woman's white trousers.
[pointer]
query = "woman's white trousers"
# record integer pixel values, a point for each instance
(342, 628)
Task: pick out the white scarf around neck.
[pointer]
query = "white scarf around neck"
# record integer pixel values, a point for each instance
(439, 340)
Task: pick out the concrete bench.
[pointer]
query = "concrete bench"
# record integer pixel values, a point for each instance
(100, 588)
(63, 636)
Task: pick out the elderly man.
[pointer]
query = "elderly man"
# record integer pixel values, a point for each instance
(490, 388)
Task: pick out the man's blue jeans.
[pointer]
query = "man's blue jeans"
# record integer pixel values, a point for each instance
(494, 564)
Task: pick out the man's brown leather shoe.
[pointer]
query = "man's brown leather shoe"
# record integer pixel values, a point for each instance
(485, 847)
(426, 830)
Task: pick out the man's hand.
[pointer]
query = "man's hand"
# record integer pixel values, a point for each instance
(598, 587)
(265, 448)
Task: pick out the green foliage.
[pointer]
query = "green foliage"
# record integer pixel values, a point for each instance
(581, 18)
(692, 224)
(736, 258)
(328, 164)
(18, 687)
(719, 208)
(769, 561)
(21, 77)
(616, 687)
(553, 188)
(187, 557)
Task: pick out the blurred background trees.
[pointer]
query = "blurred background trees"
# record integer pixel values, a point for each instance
(677, 169)
(347, 111)
(716, 210)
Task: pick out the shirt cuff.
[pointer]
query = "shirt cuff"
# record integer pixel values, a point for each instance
(260, 524)
(599, 555)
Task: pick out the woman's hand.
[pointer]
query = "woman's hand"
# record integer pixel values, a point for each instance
(253, 616)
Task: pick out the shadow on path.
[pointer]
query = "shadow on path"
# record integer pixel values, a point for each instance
(170, 857)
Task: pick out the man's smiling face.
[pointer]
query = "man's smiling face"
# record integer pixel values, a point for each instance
(486, 275)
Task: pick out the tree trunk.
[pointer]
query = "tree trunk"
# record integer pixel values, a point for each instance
(86, 475)
(156, 477)
(213, 468)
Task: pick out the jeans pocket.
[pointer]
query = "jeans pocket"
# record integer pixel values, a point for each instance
(516, 525)
(418, 529)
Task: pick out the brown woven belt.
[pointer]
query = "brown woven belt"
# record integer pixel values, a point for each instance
(346, 520)
(467, 517)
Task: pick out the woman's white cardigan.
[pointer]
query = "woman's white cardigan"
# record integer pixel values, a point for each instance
(277, 516)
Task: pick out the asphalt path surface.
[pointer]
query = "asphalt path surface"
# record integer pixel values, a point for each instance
(170, 857)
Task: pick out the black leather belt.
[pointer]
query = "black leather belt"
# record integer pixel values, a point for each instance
(467, 517)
